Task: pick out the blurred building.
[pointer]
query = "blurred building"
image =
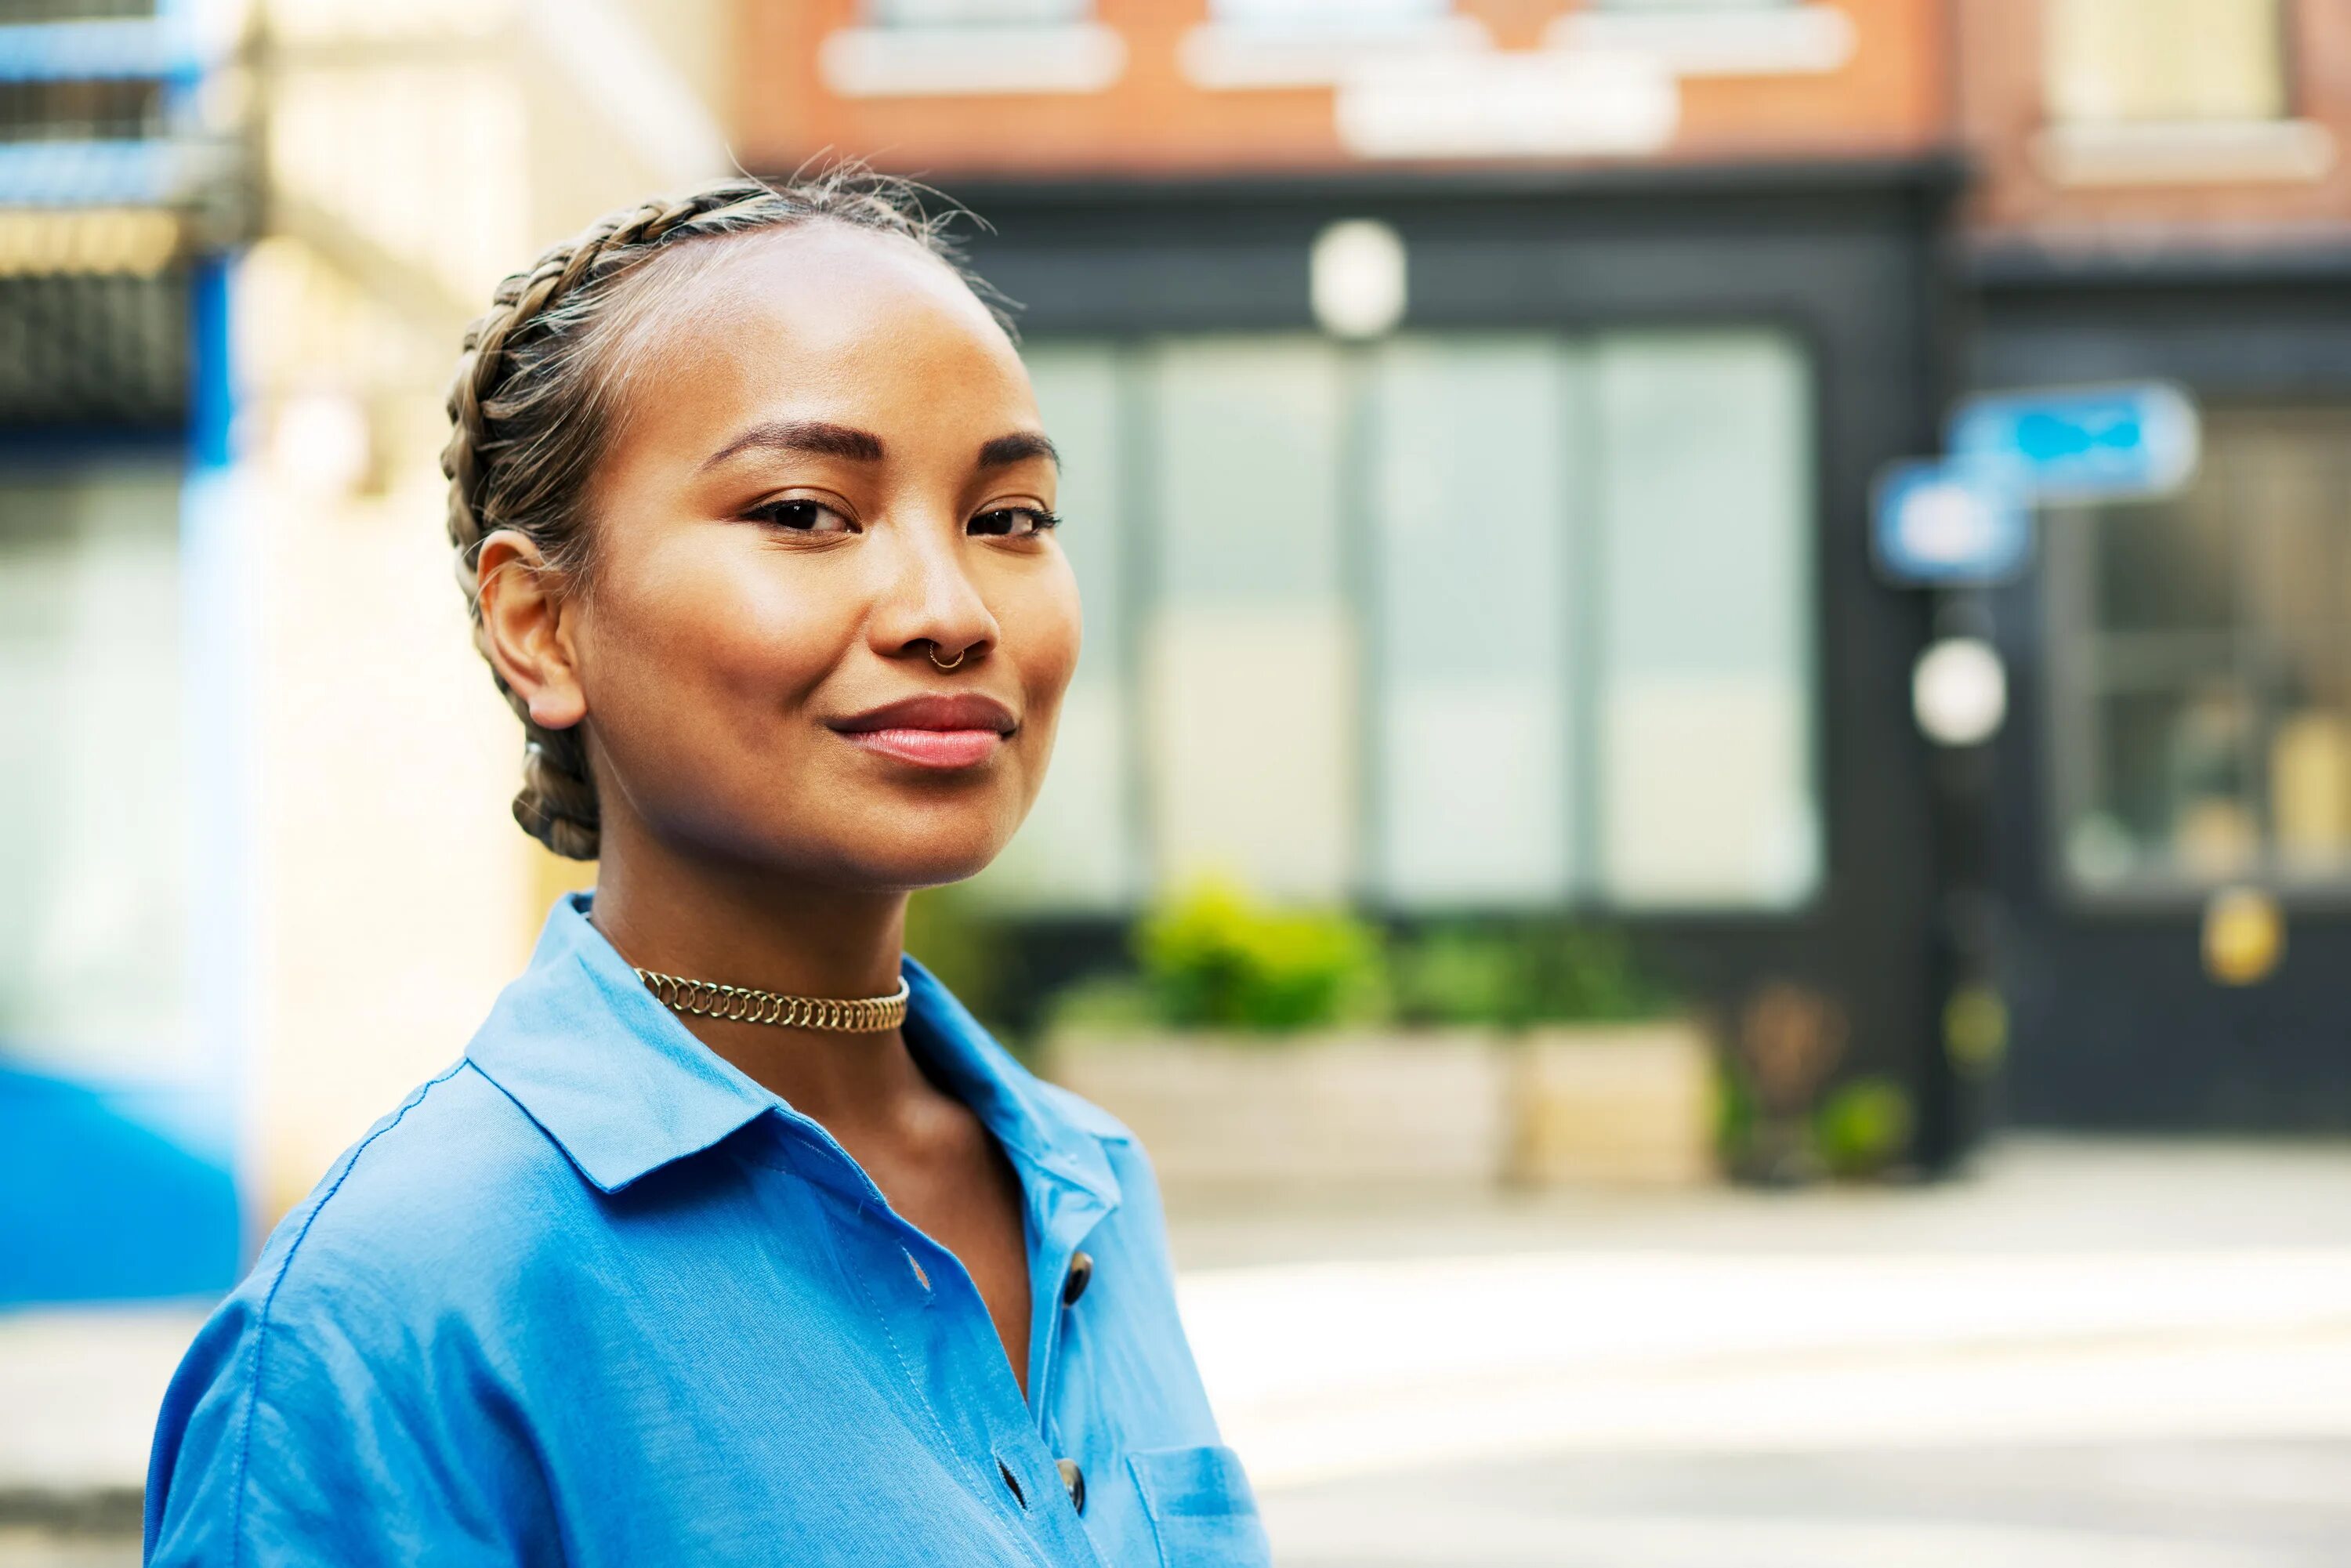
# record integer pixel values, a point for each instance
(2164, 191)
(1471, 411)
(256, 877)
(1473, 408)
(119, 918)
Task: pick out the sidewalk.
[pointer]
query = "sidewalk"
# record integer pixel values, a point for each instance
(2093, 1355)
(80, 1387)
(2027, 1195)
(2072, 1293)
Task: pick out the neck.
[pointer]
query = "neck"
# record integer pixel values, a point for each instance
(727, 924)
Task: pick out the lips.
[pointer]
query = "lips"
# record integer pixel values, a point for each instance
(942, 732)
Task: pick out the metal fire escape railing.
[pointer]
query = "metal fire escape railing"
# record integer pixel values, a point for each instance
(116, 177)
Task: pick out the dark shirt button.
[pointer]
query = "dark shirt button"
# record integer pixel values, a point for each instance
(1075, 1479)
(1082, 1268)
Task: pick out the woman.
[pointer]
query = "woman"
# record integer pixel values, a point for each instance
(732, 1238)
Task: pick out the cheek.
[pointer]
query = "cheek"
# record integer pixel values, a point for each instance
(699, 643)
(1042, 631)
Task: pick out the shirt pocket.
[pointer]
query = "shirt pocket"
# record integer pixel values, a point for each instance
(1202, 1511)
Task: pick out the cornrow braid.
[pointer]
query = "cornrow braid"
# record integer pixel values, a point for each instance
(528, 409)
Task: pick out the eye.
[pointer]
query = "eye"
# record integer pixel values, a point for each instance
(798, 515)
(1015, 522)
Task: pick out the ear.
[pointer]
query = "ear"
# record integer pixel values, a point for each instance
(528, 622)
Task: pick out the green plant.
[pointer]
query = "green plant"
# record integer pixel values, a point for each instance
(1589, 973)
(1863, 1128)
(1113, 1004)
(1511, 975)
(1735, 1117)
(1213, 956)
(1460, 975)
(953, 934)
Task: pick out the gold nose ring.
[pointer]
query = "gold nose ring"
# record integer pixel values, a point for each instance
(946, 664)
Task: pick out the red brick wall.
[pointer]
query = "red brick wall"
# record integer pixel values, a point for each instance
(2001, 114)
(1890, 98)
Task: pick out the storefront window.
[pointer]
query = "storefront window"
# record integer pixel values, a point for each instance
(1249, 676)
(951, 49)
(1079, 849)
(1467, 620)
(21, 11)
(1472, 561)
(977, 13)
(1704, 618)
(93, 843)
(1324, 13)
(2201, 654)
(2119, 62)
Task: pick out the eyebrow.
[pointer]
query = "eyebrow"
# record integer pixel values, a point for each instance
(809, 435)
(1006, 450)
(826, 440)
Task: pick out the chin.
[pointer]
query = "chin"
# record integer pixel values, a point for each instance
(913, 873)
(904, 857)
(849, 835)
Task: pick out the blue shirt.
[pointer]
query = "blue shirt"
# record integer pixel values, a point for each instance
(593, 1296)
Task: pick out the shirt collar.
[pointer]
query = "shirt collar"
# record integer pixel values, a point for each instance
(613, 1076)
(1005, 1095)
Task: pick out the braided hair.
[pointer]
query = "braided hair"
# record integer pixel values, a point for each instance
(532, 403)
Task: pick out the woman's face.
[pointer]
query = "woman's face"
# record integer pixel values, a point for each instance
(827, 472)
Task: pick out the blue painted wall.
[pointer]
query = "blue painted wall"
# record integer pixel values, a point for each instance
(96, 1204)
(126, 1191)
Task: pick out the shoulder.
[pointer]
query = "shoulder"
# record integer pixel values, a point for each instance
(1083, 1114)
(371, 1291)
(404, 1226)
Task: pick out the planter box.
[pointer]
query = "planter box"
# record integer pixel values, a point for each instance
(1613, 1105)
(1226, 1115)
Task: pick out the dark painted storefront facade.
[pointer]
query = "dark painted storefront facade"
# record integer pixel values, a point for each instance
(1849, 262)
(2184, 680)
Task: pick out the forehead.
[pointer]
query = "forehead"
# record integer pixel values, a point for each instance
(814, 319)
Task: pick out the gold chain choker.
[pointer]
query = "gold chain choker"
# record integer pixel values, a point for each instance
(740, 1004)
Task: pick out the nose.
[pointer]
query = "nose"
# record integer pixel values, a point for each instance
(930, 607)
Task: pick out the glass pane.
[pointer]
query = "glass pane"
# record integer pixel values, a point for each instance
(2290, 477)
(1469, 503)
(1324, 13)
(2169, 567)
(2310, 787)
(2177, 796)
(977, 13)
(2210, 638)
(1694, 5)
(92, 837)
(2289, 471)
(1706, 557)
(2117, 61)
(1250, 665)
(1077, 849)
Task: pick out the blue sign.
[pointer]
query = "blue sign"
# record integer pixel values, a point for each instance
(103, 48)
(1951, 522)
(2086, 444)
